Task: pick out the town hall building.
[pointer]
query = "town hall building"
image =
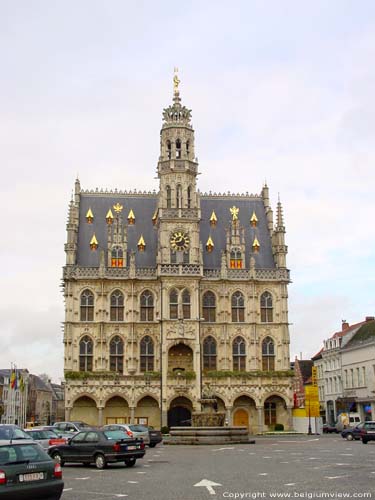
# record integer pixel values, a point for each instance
(175, 295)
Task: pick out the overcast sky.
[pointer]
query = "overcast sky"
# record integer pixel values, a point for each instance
(280, 90)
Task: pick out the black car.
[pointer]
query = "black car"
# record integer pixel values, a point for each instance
(352, 432)
(100, 447)
(27, 472)
(155, 437)
(368, 432)
(328, 428)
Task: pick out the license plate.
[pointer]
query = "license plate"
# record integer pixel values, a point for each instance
(33, 476)
(132, 447)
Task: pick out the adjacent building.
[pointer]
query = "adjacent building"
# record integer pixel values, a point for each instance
(173, 294)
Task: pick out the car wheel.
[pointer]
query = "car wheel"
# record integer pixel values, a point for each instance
(100, 461)
(364, 441)
(129, 462)
(152, 445)
(349, 437)
(57, 458)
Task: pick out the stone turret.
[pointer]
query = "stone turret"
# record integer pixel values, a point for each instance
(278, 239)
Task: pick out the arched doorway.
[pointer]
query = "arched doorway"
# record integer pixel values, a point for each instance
(116, 411)
(147, 412)
(275, 412)
(241, 418)
(84, 409)
(179, 413)
(245, 413)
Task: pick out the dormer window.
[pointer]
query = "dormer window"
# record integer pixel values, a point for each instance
(235, 259)
(117, 257)
(178, 149)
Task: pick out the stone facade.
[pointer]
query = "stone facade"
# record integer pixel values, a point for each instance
(174, 293)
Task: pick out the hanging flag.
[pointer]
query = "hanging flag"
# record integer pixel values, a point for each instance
(22, 383)
(12, 380)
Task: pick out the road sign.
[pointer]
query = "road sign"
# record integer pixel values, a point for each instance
(314, 376)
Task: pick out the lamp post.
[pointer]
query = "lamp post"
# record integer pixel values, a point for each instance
(309, 429)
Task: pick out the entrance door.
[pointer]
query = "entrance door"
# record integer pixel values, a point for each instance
(241, 418)
(179, 416)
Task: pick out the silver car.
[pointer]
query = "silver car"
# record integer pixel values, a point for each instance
(132, 430)
(45, 438)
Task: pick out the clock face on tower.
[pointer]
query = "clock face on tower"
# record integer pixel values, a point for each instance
(179, 241)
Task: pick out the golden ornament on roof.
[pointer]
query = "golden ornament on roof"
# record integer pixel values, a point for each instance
(254, 220)
(141, 244)
(89, 216)
(131, 217)
(94, 243)
(234, 211)
(118, 208)
(213, 218)
(256, 245)
(155, 217)
(210, 244)
(109, 217)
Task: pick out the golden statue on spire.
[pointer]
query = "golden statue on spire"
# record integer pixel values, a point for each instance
(176, 81)
(234, 211)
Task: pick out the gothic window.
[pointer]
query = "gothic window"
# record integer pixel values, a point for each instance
(169, 197)
(268, 354)
(117, 257)
(238, 308)
(186, 257)
(117, 306)
(236, 259)
(209, 307)
(173, 257)
(187, 148)
(85, 354)
(178, 148)
(270, 413)
(169, 150)
(239, 354)
(189, 197)
(147, 306)
(87, 306)
(266, 308)
(147, 354)
(116, 354)
(209, 353)
(186, 304)
(173, 304)
(179, 196)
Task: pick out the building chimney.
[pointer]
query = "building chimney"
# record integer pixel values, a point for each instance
(344, 325)
(370, 318)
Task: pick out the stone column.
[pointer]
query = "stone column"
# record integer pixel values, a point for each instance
(100, 416)
(68, 409)
(373, 410)
(260, 411)
(164, 415)
(289, 410)
(228, 415)
(132, 411)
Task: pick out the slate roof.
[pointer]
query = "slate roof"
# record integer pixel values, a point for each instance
(365, 335)
(305, 367)
(144, 206)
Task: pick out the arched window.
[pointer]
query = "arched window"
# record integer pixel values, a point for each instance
(270, 413)
(238, 308)
(116, 354)
(147, 306)
(209, 353)
(169, 150)
(186, 304)
(85, 354)
(117, 306)
(173, 304)
(239, 354)
(209, 307)
(87, 306)
(236, 259)
(117, 257)
(266, 308)
(189, 197)
(268, 354)
(178, 148)
(179, 196)
(147, 354)
(169, 197)
(187, 148)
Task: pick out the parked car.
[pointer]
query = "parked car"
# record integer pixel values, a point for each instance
(60, 433)
(132, 430)
(100, 447)
(329, 428)
(155, 436)
(28, 473)
(12, 431)
(71, 427)
(368, 431)
(352, 432)
(45, 437)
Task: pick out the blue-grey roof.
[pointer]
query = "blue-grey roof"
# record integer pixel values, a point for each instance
(144, 206)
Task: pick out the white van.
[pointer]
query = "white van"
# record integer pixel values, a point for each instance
(346, 420)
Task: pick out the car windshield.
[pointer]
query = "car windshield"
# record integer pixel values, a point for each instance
(115, 435)
(12, 433)
(81, 424)
(22, 453)
(138, 428)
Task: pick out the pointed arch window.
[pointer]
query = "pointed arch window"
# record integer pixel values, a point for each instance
(209, 353)
(169, 150)
(147, 306)
(266, 308)
(187, 148)
(239, 354)
(116, 354)
(85, 354)
(209, 307)
(169, 197)
(173, 304)
(186, 304)
(238, 308)
(270, 413)
(189, 197)
(117, 257)
(179, 196)
(178, 149)
(117, 306)
(236, 259)
(87, 306)
(268, 354)
(147, 354)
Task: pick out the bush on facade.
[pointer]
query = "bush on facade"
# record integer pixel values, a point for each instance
(243, 374)
(164, 429)
(279, 427)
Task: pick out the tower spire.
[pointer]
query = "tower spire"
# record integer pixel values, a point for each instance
(279, 217)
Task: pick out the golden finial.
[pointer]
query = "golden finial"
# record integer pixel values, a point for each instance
(94, 243)
(209, 245)
(256, 245)
(213, 218)
(176, 81)
(141, 244)
(109, 217)
(118, 208)
(155, 217)
(234, 211)
(89, 216)
(254, 220)
(131, 217)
